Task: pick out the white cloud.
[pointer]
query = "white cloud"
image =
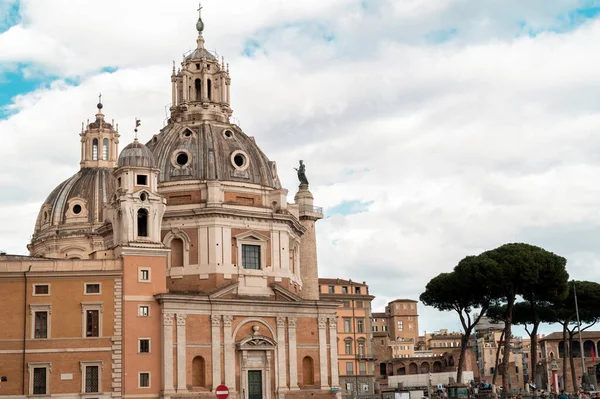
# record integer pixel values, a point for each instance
(487, 139)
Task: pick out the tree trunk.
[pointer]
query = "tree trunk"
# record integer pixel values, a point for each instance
(565, 356)
(507, 337)
(497, 357)
(572, 362)
(533, 351)
(464, 342)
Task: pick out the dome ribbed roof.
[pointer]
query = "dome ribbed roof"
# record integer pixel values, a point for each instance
(211, 151)
(137, 154)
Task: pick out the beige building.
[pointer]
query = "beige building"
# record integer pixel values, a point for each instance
(171, 268)
(355, 338)
(487, 345)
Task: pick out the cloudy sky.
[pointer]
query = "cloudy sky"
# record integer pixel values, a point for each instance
(431, 129)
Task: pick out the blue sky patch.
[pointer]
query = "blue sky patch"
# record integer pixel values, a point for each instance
(10, 18)
(564, 22)
(250, 48)
(346, 208)
(441, 36)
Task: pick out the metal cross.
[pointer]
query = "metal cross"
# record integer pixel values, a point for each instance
(199, 9)
(100, 98)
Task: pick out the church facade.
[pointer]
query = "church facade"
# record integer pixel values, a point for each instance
(171, 268)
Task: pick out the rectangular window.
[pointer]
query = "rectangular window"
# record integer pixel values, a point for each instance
(144, 345)
(144, 380)
(41, 289)
(348, 347)
(346, 304)
(410, 326)
(92, 288)
(331, 289)
(144, 274)
(39, 381)
(92, 323)
(360, 326)
(251, 256)
(347, 326)
(344, 290)
(349, 368)
(384, 328)
(142, 180)
(400, 325)
(118, 182)
(404, 306)
(359, 304)
(144, 311)
(362, 368)
(374, 328)
(92, 379)
(41, 325)
(412, 305)
(357, 290)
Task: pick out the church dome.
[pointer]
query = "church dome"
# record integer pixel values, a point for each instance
(136, 154)
(211, 151)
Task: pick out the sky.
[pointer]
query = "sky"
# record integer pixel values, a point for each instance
(431, 130)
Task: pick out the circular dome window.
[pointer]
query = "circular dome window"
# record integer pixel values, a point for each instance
(228, 134)
(239, 159)
(182, 159)
(77, 209)
(187, 133)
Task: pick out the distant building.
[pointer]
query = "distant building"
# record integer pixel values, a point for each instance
(356, 354)
(487, 345)
(552, 352)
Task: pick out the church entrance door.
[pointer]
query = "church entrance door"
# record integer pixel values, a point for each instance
(254, 384)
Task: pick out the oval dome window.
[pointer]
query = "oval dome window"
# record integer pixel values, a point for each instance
(182, 159)
(77, 209)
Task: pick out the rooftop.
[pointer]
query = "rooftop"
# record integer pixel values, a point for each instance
(339, 281)
(584, 335)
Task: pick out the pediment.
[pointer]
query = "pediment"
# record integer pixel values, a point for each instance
(222, 292)
(256, 342)
(284, 294)
(251, 235)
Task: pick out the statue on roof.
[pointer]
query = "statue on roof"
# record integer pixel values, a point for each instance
(302, 173)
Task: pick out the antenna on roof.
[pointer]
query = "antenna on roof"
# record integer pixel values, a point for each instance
(137, 123)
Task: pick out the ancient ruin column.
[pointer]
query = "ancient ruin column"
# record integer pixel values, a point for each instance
(293, 353)
(323, 351)
(181, 352)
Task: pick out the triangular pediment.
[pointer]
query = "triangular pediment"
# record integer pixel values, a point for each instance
(284, 294)
(222, 292)
(256, 342)
(251, 235)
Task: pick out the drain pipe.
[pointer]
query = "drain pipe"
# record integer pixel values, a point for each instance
(24, 325)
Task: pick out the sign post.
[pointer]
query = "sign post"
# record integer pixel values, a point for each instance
(222, 392)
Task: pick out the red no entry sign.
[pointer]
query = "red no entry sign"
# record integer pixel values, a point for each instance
(222, 392)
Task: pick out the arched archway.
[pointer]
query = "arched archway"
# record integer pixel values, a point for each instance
(413, 368)
(424, 367)
(561, 349)
(308, 371)
(588, 348)
(575, 348)
(451, 361)
(437, 366)
(198, 372)
(400, 369)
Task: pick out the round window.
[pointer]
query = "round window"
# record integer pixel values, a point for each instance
(239, 160)
(143, 197)
(77, 209)
(182, 159)
(228, 134)
(187, 133)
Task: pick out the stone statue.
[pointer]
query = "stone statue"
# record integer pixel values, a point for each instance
(302, 173)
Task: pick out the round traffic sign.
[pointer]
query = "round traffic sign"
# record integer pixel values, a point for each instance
(222, 392)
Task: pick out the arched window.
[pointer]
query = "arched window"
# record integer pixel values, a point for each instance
(209, 89)
(95, 150)
(198, 86)
(142, 219)
(361, 347)
(308, 371)
(176, 252)
(348, 346)
(198, 372)
(105, 149)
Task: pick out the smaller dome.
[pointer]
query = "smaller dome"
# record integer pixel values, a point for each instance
(136, 154)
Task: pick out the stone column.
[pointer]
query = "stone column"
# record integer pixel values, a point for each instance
(229, 356)
(181, 353)
(323, 352)
(168, 351)
(185, 88)
(293, 354)
(216, 351)
(282, 383)
(333, 351)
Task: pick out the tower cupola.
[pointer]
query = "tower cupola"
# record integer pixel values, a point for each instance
(99, 142)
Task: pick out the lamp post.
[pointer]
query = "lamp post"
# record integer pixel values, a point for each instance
(583, 373)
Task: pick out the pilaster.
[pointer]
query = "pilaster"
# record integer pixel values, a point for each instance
(167, 349)
(229, 353)
(282, 383)
(181, 353)
(322, 321)
(333, 351)
(293, 354)
(216, 351)
(117, 341)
